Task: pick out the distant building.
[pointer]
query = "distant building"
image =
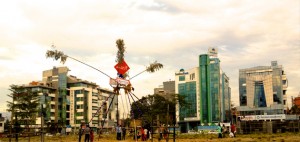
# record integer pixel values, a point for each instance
(296, 101)
(167, 90)
(69, 100)
(206, 88)
(262, 90)
(1, 123)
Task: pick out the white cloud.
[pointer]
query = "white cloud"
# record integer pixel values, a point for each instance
(247, 33)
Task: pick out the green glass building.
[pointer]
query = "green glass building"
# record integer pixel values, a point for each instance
(206, 89)
(215, 91)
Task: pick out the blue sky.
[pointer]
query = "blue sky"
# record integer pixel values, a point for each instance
(247, 33)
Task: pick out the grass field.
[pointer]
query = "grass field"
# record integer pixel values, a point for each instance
(282, 137)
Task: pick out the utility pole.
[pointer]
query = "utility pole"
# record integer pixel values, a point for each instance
(42, 127)
(167, 124)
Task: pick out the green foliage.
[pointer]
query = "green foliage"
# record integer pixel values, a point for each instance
(24, 104)
(55, 54)
(121, 49)
(295, 110)
(151, 106)
(155, 66)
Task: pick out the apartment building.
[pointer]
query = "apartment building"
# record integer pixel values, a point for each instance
(69, 101)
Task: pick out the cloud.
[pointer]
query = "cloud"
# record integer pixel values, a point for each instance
(175, 33)
(160, 6)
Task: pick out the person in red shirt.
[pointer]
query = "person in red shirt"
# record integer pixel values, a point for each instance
(233, 129)
(92, 135)
(143, 133)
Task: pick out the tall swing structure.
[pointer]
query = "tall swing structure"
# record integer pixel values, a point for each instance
(118, 83)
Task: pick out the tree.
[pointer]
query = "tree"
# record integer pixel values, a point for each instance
(152, 106)
(6, 125)
(295, 110)
(24, 105)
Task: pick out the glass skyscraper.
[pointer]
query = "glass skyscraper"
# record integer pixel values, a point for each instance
(262, 87)
(206, 89)
(215, 91)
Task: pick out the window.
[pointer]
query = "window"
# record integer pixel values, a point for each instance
(78, 92)
(284, 92)
(79, 107)
(192, 76)
(182, 78)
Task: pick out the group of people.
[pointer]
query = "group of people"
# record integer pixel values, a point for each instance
(121, 132)
(163, 132)
(223, 130)
(87, 132)
(143, 133)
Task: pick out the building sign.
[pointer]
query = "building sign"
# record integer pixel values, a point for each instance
(118, 82)
(263, 117)
(247, 118)
(212, 51)
(191, 119)
(270, 117)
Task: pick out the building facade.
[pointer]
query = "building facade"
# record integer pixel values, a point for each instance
(187, 85)
(1, 123)
(167, 90)
(206, 89)
(262, 90)
(215, 91)
(68, 100)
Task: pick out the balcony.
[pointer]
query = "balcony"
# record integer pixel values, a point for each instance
(52, 103)
(95, 118)
(79, 117)
(79, 110)
(94, 97)
(52, 118)
(52, 95)
(52, 110)
(80, 103)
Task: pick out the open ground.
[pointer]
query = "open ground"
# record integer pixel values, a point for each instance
(280, 137)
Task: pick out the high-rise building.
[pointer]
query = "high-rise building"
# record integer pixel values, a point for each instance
(187, 85)
(167, 90)
(206, 89)
(215, 91)
(69, 100)
(262, 90)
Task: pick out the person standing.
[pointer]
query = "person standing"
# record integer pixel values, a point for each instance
(92, 135)
(124, 133)
(142, 134)
(219, 131)
(119, 131)
(146, 133)
(233, 129)
(224, 131)
(81, 131)
(87, 133)
(161, 129)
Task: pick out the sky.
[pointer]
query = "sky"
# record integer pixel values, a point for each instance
(173, 32)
